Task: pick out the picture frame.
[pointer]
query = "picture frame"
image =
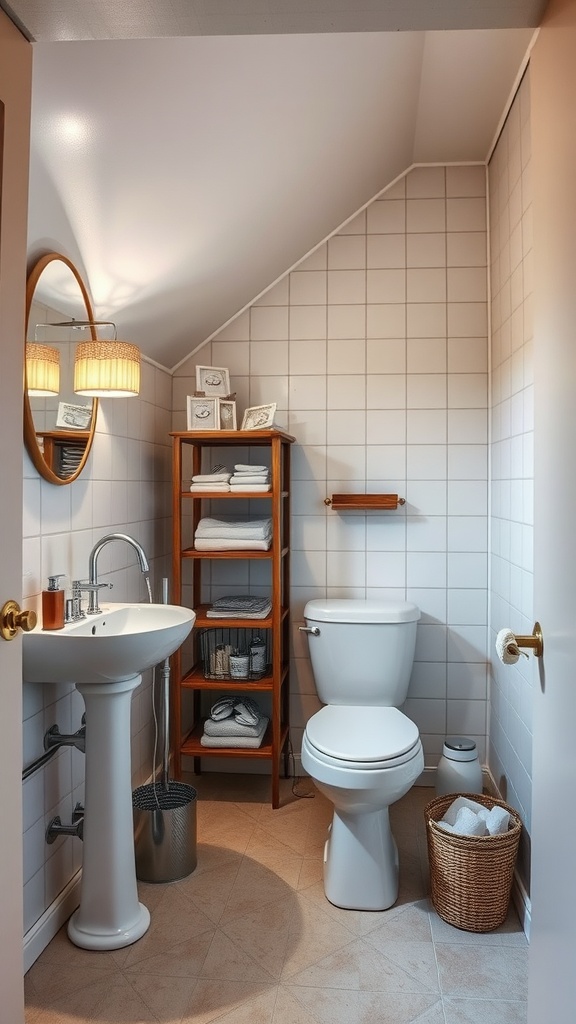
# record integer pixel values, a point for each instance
(201, 413)
(259, 417)
(227, 414)
(213, 381)
(73, 417)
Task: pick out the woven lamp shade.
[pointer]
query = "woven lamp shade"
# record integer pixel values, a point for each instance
(42, 370)
(107, 369)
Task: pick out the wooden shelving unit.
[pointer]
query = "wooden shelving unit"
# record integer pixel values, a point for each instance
(187, 669)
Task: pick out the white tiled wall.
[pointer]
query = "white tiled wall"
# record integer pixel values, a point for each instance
(510, 749)
(125, 487)
(375, 349)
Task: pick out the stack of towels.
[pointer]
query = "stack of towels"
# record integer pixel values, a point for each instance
(233, 534)
(234, 722)
(468, 818)
(240, 606)
(250, 478)
(217, 480)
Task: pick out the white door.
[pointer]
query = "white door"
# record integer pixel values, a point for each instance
(15, 81)
(11, 984)
(552, 985)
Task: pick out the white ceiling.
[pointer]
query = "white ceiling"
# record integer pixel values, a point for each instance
(185, 174)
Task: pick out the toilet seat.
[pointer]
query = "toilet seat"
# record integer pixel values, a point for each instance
(367, 738)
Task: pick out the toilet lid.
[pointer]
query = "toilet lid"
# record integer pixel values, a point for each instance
(362, 734)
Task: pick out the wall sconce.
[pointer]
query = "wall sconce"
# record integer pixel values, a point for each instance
(42, 370)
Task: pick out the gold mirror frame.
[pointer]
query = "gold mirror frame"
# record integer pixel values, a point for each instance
(30, 438)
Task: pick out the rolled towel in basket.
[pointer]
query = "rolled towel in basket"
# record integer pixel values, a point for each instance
(456, 806)
(497, 821)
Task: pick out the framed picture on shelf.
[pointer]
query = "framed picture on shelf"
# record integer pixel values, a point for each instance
(201, 413)
(214, 381)
(227, 414)
(72, 416)
(259, 417)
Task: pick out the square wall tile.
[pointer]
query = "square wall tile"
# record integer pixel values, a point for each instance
(426, 355)
(346, 286)
(387, 216)
(425, 215)
(347, 252)
(268, 358)
(308, 288)
(268, 323)
(306, 357)
(386, 355)
(386, 251)
(426, 249)
(386, 286)
(346, 391)
(346, 321)
(346, 356)
(307, 323)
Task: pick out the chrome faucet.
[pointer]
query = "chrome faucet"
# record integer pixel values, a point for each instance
(93, 584)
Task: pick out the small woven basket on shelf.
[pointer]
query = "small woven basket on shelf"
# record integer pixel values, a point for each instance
(471, 876)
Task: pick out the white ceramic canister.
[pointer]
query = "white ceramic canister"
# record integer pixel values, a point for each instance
(459, 769)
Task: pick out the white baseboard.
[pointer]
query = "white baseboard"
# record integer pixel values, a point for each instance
(520, 897)
(40, 934)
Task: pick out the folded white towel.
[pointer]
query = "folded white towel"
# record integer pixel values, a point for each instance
(250, 478)
(249, 487)
(247, 529)
(228, 544)
(241, 467)
(236, 741)
(210, 487)
(204, 478)
(230, 727)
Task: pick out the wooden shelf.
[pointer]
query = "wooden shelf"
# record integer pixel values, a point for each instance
(196, 680)
(203, 622)
(187, 734)
(192, 747)
(363, 502)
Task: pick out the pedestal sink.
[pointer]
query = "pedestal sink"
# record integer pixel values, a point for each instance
(104, 656)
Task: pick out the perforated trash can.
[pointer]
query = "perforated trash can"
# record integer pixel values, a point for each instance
(165, 831)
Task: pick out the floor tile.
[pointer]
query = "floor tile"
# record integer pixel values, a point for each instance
(250, 938)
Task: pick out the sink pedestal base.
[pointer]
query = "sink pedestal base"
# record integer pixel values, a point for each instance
(110, 915)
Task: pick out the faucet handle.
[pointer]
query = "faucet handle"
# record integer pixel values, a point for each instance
(85, 587)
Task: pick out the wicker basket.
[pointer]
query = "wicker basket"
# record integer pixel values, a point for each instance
(471, 876)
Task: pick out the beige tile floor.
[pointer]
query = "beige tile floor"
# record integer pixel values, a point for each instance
(249, 937)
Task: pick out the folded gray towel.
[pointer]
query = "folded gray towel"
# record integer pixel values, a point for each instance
(235, 741)
(229, 727)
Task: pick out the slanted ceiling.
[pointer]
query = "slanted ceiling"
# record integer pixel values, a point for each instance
(184, 175)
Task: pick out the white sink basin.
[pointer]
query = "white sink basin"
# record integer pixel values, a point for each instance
(119, 643)
(104, 655)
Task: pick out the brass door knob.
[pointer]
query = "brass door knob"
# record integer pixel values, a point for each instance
(12, 618)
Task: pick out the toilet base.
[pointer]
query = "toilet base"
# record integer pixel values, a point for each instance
(361, 861)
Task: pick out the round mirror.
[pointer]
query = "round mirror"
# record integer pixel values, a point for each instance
(58, 425)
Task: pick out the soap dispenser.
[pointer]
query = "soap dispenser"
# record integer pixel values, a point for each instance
(53, 604)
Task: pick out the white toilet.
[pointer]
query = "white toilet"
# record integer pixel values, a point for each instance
(361, 751)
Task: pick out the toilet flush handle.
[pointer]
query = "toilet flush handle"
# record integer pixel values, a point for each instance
(310, 629)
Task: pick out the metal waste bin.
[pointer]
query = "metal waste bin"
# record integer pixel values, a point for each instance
(165, 831)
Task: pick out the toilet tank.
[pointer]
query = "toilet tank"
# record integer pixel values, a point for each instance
(363, 651)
